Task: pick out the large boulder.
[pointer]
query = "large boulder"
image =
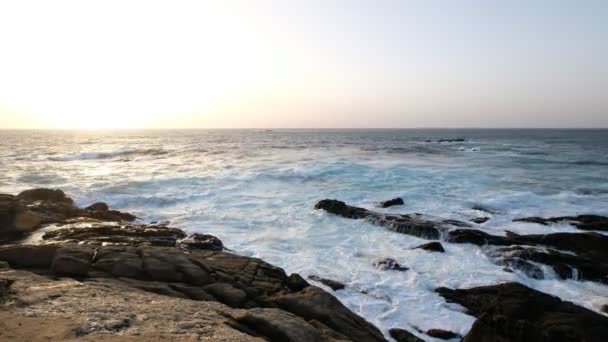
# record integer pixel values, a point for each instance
(45, 195)
(512, 312)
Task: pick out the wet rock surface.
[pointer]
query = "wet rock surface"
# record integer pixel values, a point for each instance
(402, 335)
(583, 222)
(392, 202)
(434, 246)
(389, 264)
(514, 312)
(442, 334)
(334, 285)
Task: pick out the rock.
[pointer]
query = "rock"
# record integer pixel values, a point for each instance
(27, 221)
(110, 215)
(424, 226)
(392, 202)
(583, 222)
(605, 308)
(28, 256)
(45, 195)
(111, 233)
(514, 312)
(485, 209)
(480, 220)
(227, 294)
(4, 265)
(312, 303)
(451, 140)
(442, 334)
(98, 206)
(402, 335)
(434, 246)
(295, 282)
(5, 285)
(72, 261)
(202, 242)
(389, 264)
(334, 285)
(277, 325)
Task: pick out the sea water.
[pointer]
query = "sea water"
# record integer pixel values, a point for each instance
(256, 189)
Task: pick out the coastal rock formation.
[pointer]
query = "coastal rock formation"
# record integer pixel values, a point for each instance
(29, 210)
(434, 246)
(582, 222)
(419, 225)
(586, 257)
(402, 335)
(249, 298)
(392, 202)
(389, 264)
(334, 285)
(442, 334)
(480, 220)
(515, 313)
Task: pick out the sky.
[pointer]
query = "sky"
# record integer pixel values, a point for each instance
(303, 64)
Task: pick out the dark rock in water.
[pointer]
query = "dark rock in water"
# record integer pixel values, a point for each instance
(451, 140)
(392, 202)
(514, 312)
(334, 285)
(389, 264)
(442, 334)
(45, 195)
(477, 237)
(203, 242)
(402, 335)
(583, 222)
(605, 308)
(507, 269)
(99, 206)
(485, 209)
(426, 227)
(480, 220)
(434, 246)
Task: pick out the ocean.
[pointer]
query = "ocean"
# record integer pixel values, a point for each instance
(256, 189)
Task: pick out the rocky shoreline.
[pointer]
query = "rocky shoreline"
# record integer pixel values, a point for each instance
(69, 273)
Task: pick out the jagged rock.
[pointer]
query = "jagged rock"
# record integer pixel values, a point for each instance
(424, 226)
(480, 220)
(389, 264)
(477, 237)
(583, 222)
(203, 242)
(334, 285)
(45, 195)
(442, 334)
(392, 202)
(434, 246)
(402, 335)
(295, 282)
(98, 206)
(514, 312)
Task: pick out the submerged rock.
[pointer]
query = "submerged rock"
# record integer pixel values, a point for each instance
(514, 312)
(392, 202)
(402, 335)
(434, 246)
(389, 264)
(583, 222)
(334, 285)
(442, 334)
(480, 220)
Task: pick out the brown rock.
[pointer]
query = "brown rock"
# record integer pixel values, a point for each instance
(99, 206)
(27, 221)
(43, 194)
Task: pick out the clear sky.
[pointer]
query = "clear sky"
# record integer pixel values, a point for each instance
(308, 63)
